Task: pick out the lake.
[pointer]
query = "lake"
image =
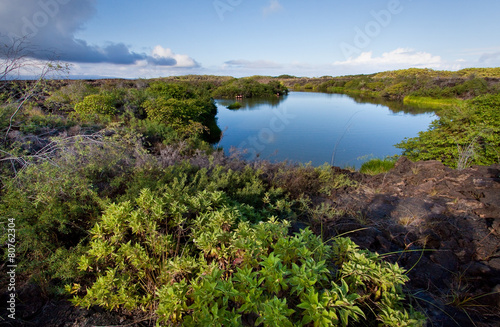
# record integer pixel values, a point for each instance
(318, 127)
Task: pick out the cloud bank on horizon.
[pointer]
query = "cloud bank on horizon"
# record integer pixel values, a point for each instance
(397, 59)
(242, 38)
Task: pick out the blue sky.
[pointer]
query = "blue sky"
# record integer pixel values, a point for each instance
(150, 38)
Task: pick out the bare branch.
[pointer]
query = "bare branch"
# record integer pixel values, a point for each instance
(49, 152)
(17, 58)
(14, 56)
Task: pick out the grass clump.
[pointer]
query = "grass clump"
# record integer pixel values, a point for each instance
(428, 102)
(377, 166)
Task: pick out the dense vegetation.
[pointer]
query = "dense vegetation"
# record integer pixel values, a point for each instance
(464, 135)
(249, 88)
(409, 84)
(120, 200)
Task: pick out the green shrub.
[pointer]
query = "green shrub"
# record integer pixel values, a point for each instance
(194, 260)
(249, 88)
(67, 96)
(170, 90)
(469, 132)
(41, 123)
(6, 111)
(471, 88)
(59, 193)
(189, 117)
(235, 105)
(397, 90)
(174, 112)
(154, 132)
(96, 106)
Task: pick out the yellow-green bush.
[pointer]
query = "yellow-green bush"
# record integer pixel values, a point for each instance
(96, 106)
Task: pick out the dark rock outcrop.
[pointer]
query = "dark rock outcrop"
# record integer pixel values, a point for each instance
(444, 225)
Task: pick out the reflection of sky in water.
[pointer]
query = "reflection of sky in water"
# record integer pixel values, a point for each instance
(321, 123)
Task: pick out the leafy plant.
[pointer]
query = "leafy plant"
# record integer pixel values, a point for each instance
(194, 259)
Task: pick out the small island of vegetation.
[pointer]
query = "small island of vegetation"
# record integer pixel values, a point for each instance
(235, 105)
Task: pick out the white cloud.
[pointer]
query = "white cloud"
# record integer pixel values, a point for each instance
(141, 69)
(274, 6)
(490, 58)
(252, 64)
(165, 54)
(400, 56)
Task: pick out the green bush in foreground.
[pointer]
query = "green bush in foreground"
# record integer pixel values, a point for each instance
(194, 260)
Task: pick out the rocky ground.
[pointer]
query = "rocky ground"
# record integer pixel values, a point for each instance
(447, 221)
(442, 225)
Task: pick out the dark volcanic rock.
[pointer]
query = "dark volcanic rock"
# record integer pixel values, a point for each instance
(451, 215)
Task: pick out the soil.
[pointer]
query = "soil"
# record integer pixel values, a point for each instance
(442, 225)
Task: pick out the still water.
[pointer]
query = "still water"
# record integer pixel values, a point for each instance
(317, 127)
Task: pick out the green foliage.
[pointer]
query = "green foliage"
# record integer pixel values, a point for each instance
(59, 193)
(235, 105)
(154, 132)
(185, 112)
(249, 88)
(397, 89)
(96, 106)
(469, 132)
(195, 260)
(169, 90)
(66, 97)
(133, 100)
(176, 112)
(377, 166)
(36, 122)
(428, 102)
(6, 111)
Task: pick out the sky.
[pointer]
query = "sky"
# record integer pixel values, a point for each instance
(152, 38)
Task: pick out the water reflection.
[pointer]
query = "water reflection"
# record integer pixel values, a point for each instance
(394, 106)
(316, 127)
(273, 101)
(253, 103)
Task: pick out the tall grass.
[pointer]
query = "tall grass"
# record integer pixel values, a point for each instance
(428, 102)
(377, 166)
